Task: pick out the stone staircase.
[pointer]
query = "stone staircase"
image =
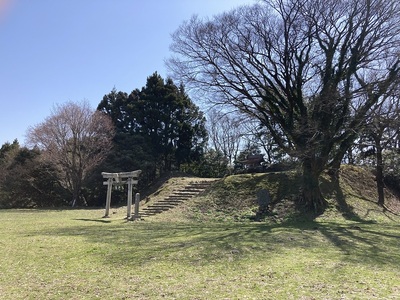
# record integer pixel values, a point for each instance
(175, 198)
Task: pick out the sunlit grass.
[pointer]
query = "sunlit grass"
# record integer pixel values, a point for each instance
(75, 254)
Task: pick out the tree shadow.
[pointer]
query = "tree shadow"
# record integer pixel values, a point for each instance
(205, 243)
(389, 213)
(363, 243)
(285, 190)
(332, 188)
(94, 220)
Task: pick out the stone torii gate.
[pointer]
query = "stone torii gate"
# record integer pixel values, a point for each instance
(129, 178)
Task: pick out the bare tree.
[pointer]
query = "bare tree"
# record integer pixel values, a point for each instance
(225, 133)
(381, 133)
(75, 139)
(297, 66)
(258, 134)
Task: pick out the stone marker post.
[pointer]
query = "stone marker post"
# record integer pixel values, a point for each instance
(137, 199)
(263, 199)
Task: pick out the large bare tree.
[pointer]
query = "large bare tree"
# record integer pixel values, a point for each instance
(309, 70)
(75, 139)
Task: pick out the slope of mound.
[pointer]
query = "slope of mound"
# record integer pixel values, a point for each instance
(356, 196)
(353, 197)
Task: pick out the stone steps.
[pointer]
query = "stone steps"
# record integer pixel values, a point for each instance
(175, 198)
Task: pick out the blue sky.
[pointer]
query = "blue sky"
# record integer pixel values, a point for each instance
(54, 51)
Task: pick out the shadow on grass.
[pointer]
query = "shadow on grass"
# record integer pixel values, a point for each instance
(336, 193)
(332, 187)
(206, 243)
(279, 184)
(94, 220)
(366, 244)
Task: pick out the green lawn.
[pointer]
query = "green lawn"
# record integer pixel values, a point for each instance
(75, 254)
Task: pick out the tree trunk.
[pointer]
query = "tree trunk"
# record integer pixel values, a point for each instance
(74, 199)
(379, 174)
(76, 189)
(335, 164)
(311, 195)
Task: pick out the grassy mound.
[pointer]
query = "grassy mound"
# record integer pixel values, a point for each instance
(353, 197)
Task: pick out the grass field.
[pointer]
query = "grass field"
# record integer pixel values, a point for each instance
(75, 254)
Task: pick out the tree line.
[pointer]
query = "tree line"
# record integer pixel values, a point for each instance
(315, 83)
(157, 129)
